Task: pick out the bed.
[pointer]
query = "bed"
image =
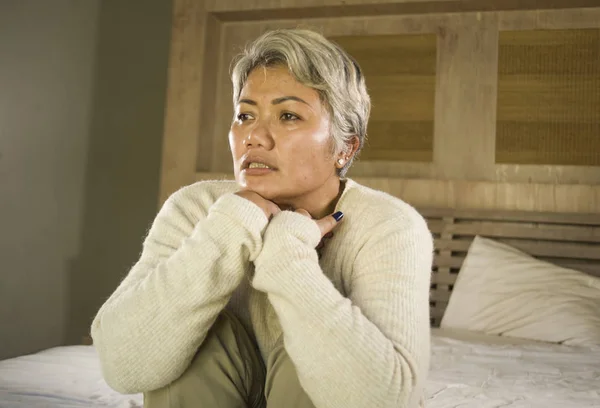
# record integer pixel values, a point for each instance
(469, 368)
(65, 377)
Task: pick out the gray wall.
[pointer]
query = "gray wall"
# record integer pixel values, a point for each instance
(122, 176)
(82, 86)
(46, 78)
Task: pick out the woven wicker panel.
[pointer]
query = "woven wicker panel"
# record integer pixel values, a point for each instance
(549, 97)
(400, 75)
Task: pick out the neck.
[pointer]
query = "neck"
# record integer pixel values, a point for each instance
(320, 202)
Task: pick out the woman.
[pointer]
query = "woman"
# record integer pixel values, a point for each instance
(256, 292)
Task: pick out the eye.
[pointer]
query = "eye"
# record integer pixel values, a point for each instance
(242, 117)
(289, 117)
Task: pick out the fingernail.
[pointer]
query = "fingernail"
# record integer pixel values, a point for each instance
(338, 216)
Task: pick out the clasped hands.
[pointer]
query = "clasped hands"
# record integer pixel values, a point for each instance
(325, 224)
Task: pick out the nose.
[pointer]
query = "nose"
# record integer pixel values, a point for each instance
(259, 135)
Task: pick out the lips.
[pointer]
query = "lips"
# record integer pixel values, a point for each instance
(258, 163)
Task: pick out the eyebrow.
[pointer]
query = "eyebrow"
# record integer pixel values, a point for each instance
(275, 101)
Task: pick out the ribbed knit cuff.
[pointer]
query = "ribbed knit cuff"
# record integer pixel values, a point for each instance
(288, 250)
(242, 211)
(232, 222)
(288, 225)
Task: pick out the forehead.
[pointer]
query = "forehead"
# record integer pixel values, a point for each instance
(274, 82)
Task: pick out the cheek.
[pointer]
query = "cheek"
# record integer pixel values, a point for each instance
(311, 162)
(234, 144)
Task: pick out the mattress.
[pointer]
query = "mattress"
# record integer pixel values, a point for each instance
(65, 377)
(468, 370)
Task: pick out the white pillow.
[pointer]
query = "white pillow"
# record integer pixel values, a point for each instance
(501, 290)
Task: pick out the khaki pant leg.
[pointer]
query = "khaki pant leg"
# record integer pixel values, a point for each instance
(282, 388)
(227, 372)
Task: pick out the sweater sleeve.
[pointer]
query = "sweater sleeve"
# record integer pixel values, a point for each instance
(150, 328)
(370, 349)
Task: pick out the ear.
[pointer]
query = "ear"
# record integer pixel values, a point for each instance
(349, 152)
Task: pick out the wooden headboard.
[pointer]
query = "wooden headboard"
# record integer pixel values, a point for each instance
(569, 240)
(472, 108)
(462, 115)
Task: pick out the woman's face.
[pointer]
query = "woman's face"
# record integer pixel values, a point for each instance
(280, 138)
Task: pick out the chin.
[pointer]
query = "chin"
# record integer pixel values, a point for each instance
(269, 192)
(268, 189)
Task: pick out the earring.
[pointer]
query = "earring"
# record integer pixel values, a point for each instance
(340, 161)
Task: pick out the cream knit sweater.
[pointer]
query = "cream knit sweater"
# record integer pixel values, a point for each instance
(355, 323)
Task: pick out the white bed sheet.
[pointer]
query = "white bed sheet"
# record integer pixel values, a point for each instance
(467, 371)
(479, 371)
(65, 377)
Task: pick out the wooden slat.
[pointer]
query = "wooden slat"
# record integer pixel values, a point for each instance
(535, 248)
(440, 295)
(444, 261)
(436, 226)
(444, 279)
(261, 10)
(184, 92)
(502, 201)
(207, 112)
(466, 80)
(550, 19)
(443, 272)
(586, 266)
(482, 195)
(583, 265)
(437, 312)
(436, 315)
(557, 174)
(537, 231)
(521, 216)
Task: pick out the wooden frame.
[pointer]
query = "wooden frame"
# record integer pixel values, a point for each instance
(568, 240)
(552, 212)
(456, 178)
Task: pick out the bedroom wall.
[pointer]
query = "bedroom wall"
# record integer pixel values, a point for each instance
(46, 79)
(81, 116)
(121, 185)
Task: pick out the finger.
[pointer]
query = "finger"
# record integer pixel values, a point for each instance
(273, 208)
(327, 224)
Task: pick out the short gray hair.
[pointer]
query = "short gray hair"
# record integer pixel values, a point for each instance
(318, 63)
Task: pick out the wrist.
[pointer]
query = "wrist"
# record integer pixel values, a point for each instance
(241, 211)
(289, 228)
